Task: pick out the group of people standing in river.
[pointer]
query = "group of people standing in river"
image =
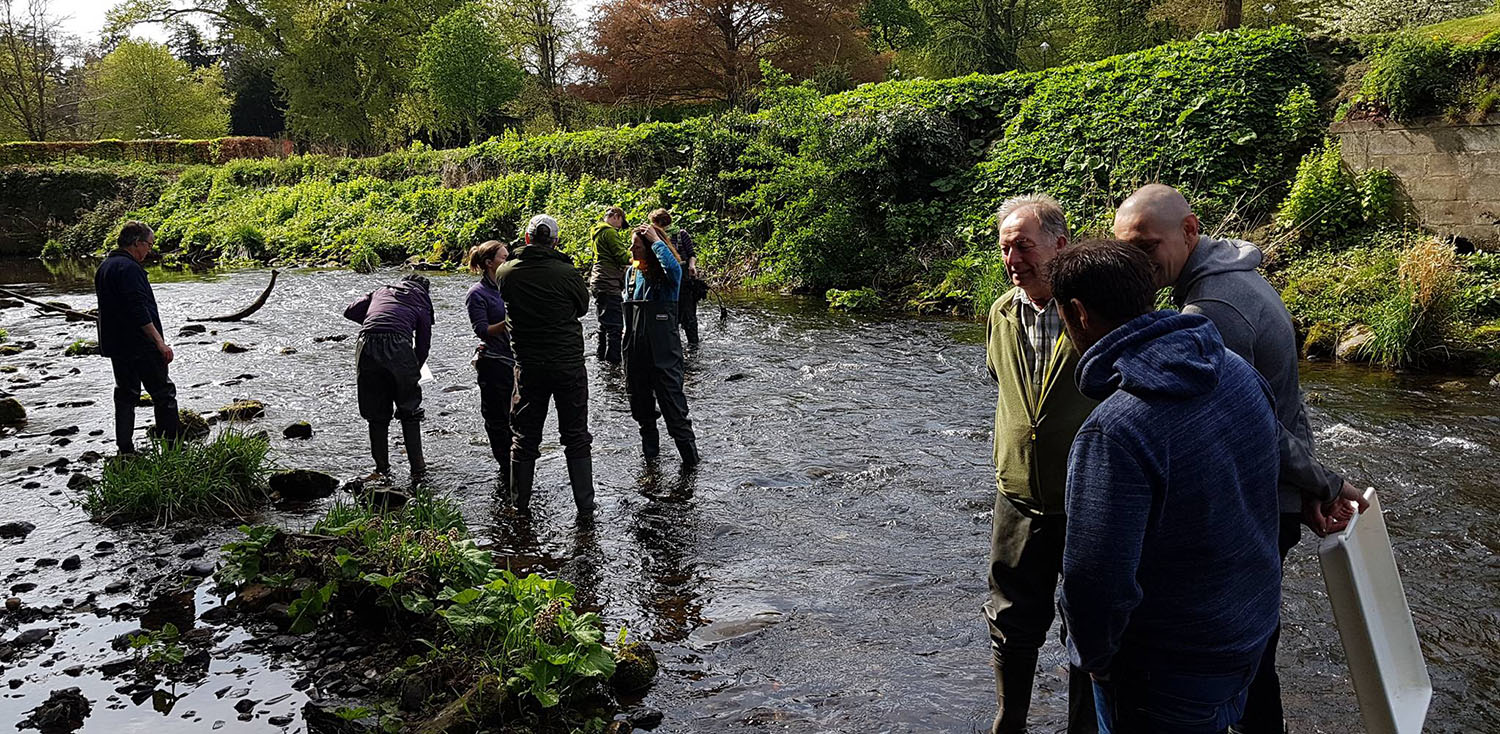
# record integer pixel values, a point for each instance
(1159, 461)
(525, 311)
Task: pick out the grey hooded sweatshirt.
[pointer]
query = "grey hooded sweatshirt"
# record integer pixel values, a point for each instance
(1220, 281)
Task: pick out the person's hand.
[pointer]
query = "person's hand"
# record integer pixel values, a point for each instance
(1334, 516)
(166, 353)
(693, 270)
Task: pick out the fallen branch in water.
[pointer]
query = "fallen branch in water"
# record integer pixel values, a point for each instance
(252, 308)
(48, 306)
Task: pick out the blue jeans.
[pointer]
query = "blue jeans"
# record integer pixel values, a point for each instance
(1140, 702)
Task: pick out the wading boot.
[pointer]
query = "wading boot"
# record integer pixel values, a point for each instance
(411, 435)
(650, 443)
(1013, 680)
(688, 450)
(125, 428)
(603, 341)
(581, 476)
(380, 449)
(612, 351)
(522, 474)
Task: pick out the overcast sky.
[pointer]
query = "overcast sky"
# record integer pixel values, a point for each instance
(86, 17)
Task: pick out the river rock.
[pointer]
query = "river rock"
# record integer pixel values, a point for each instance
(30, 637)
(232, 348)
(115, 667)
(1495, 381)
(16, 529)
(242, 410)
(635, 668)
(12, 413)
(299, 485)
(330, 338)
(194, 425)
(300, 429)
(72, 563)
(322, 715)
(63, 711)
(1353, 343)
(10, 350)
(10, 303)
(80, 481)
(192, 329)
(83, 348)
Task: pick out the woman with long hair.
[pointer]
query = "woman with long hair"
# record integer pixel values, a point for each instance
(493, 360)
(653, 349)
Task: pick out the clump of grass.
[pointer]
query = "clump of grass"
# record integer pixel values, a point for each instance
(1409, 324)
(82, 347)
(172, 480)
(4, 336)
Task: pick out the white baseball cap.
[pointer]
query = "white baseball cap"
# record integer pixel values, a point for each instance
(542, 220)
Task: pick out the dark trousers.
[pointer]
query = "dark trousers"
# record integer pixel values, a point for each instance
(687, 312)
(386, 375)
(1025, 562)
(654, 369)
(565, 385)
(131, 373)
(497, 387)
(1135, 701)
(1263, 712)
(611, 314)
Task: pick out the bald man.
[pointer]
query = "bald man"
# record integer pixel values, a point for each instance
(1218, 279)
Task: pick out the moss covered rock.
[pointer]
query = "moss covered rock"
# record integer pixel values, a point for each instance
(242, 410)
(193, 424)
(11, 412)
(635, 668)
(83, 348)
(1322, 340)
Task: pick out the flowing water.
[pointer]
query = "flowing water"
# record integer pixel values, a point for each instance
(822, 571)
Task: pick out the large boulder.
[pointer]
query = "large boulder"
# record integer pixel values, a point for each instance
(300, 485)
(1322, 340)
(635, 668)
(242, 410)
(63, 711)
(1354, 343)
(300, 429)
(16, 529)
(12, 413)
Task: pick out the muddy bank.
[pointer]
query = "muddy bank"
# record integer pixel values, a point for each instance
(822, 571)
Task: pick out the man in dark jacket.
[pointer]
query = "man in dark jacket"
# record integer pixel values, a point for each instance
(1171, 583)
(607, 281)
(544, 298)
(1037, 412)
(394, 339)
(130, 334)
(1218, 279)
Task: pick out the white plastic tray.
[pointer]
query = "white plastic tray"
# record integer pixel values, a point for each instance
(1369, 605)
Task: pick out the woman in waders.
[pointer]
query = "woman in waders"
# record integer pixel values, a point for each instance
(493, 360)
(653, 349)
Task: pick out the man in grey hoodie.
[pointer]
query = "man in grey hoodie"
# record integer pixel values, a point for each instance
(1218, 279)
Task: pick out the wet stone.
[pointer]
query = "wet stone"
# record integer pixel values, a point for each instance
(80, 481)
(11, 412)
(242, 410)
(192, 329)
(31, 637)
(200, 569)
(245, 705)
(280, 720)
(12, 604)
(115, 667)
(116, 587)
(45, 562)
(16, 529)
(22, 587)
(190, 553)
(63, 711)
(300, 429)
(233, 348)
(299, 485)
(72, 563)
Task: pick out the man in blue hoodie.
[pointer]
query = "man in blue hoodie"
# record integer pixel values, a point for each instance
(1218, 279)
(1171, 580)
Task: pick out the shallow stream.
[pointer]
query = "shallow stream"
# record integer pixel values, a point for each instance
(822, 571)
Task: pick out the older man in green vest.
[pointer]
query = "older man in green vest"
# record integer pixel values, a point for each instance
(1037, 414)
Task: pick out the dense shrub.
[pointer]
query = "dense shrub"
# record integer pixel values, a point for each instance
(1412, 76)
(1329, 206)
(217, 150)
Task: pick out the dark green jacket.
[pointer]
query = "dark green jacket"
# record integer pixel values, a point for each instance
(611, 258)
(1033, 433)
(544, 298)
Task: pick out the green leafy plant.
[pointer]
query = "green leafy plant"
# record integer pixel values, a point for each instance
(859, 299)
(158, 647)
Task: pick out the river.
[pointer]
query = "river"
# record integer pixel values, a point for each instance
(822, 571)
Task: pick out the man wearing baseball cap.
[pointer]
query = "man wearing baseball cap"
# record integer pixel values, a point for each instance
(544, 297)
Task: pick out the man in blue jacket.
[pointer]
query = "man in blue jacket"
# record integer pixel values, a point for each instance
(130, 334)
(1171, 578)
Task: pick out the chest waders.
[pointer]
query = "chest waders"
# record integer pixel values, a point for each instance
(653, 377)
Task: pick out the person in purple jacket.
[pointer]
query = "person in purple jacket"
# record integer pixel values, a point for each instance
(395, 337)
(493, 360)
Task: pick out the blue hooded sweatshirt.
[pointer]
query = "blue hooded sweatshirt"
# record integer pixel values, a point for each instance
(1170, 560)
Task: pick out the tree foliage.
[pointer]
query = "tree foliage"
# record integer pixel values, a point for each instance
(140, 90)
(464, 69)
(31, 68)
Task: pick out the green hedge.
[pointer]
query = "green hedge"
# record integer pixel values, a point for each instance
(213, 151)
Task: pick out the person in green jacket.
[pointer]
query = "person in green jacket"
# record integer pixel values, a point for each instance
(544, 299)
(1037, 413)
(607, 281)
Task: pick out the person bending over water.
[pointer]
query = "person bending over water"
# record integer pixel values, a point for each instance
(493, 361)
(653, 349)
(394, 339)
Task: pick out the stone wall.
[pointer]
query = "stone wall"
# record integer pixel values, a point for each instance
(1449, 173)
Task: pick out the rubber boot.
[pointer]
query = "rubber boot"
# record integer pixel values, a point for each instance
(411, 435)
(522, 474)
(688, 450)
(1013, 682)
(581, 476)
(612, 349)
(603, 342)
(650, 442)
(500, 449)
(380, 447)
(125, 428)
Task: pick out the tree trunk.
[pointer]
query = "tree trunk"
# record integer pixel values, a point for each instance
(1232, 15)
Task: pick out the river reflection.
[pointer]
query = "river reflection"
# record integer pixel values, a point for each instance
(822, 570)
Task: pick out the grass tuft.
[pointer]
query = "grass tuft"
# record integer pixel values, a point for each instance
(175, 480)
(1410, 323)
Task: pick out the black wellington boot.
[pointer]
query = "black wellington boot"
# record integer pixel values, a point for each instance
(581, 476)
(411, 435)
(650, 442)
(522, 474)
(380, 447)
(688, 450)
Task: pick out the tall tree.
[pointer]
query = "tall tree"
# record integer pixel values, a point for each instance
(141, 90)
(985, 36)
(664, 51)
(465, 72)
(31, 66)
(545, 37)
(188, 44)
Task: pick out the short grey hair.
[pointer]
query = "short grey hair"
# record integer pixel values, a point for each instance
(133, 232)
(1049, 213)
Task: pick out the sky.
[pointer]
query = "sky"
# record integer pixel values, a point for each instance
(86, 17)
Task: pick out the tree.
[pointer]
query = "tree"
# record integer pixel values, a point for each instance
(31, 67)
(544, 35)
(664, 51)
(256, 106)
(141, 90)
(1353, 18)
(188, 44)
(985, 36)
(464, 70)
(894, 24)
